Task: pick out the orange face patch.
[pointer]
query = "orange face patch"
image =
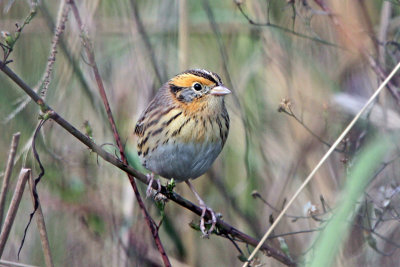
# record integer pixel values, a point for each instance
(188, 79)
(196, 106)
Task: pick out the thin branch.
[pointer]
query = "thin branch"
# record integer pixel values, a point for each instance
(146, 40)
(235, 245)
(369, 25)
(23, 102)
(268, 24)
(386, 13)
(373, 232)
(227, 228)
(11, 39)
(91, 57)
(286, 107)
(183, 35)
(62, 19)
(12, 211)
(295, 233)
(41, 226)
(315, 217)
(247, 217)
(224, 56)
(74, 64)
(7, 174)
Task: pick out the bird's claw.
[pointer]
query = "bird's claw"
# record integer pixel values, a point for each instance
(203, 229)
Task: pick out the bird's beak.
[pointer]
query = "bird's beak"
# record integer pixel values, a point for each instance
(220, 91)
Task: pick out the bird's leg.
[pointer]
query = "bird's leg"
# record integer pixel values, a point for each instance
(204, 209)
(150, 179)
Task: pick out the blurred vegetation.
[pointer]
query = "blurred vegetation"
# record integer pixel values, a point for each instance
(314, 54)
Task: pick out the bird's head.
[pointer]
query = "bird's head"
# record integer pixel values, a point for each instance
(198, 89)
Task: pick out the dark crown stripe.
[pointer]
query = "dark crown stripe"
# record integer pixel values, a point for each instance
(203, 74)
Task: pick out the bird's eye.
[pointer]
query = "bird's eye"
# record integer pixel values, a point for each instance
(197, 86)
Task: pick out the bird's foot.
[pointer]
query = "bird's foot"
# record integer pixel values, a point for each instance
(213, 221)
(150, 179)
(204, 210)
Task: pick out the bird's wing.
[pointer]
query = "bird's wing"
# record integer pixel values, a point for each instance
(160, 104)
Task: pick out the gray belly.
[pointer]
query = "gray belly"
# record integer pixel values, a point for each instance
(182, 161)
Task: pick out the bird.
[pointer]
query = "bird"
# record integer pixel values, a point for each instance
(183, 130)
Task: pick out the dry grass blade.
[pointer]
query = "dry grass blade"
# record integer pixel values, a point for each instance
(41, 226)
(327, 154)
(12, 211)
(7, 174)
